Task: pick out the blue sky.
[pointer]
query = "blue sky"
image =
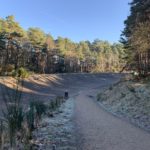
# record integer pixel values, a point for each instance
(76, 19)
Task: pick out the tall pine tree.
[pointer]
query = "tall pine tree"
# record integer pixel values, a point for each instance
(136, 35)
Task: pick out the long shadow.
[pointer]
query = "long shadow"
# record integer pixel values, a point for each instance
(30, 91)
(46, 87)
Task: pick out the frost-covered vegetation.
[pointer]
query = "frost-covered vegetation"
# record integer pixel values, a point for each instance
(129, 99)
(18, 121)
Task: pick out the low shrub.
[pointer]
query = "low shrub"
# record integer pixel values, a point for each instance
(55, 103)
(21, 72)
(13, 114)
(52, 105)
(40, 108)
(14, 118)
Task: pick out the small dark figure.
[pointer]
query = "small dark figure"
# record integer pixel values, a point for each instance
(66, 94)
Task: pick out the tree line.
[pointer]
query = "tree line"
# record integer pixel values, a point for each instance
(136, 37)
(38, 51)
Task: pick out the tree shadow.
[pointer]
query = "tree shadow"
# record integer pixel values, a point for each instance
(38, 90)
(46, 87)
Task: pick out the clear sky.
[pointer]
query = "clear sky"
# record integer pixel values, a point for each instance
(75, 19)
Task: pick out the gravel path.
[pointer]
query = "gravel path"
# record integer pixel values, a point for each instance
(96, 129)
(99, 130)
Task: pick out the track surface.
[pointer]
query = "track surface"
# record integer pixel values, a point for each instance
(96, 129)
(99, 130)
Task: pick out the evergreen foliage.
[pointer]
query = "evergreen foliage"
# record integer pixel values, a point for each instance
(40, 52)
(136, 36)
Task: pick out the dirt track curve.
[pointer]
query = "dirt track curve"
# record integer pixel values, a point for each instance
(100, 130)
(96, 129)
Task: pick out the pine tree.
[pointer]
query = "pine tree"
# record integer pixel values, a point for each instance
(135, 36)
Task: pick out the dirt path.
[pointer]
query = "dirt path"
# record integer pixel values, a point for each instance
(96, 129)
(99, 130)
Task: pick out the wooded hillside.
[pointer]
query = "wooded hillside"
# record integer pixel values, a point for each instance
(38, 51)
